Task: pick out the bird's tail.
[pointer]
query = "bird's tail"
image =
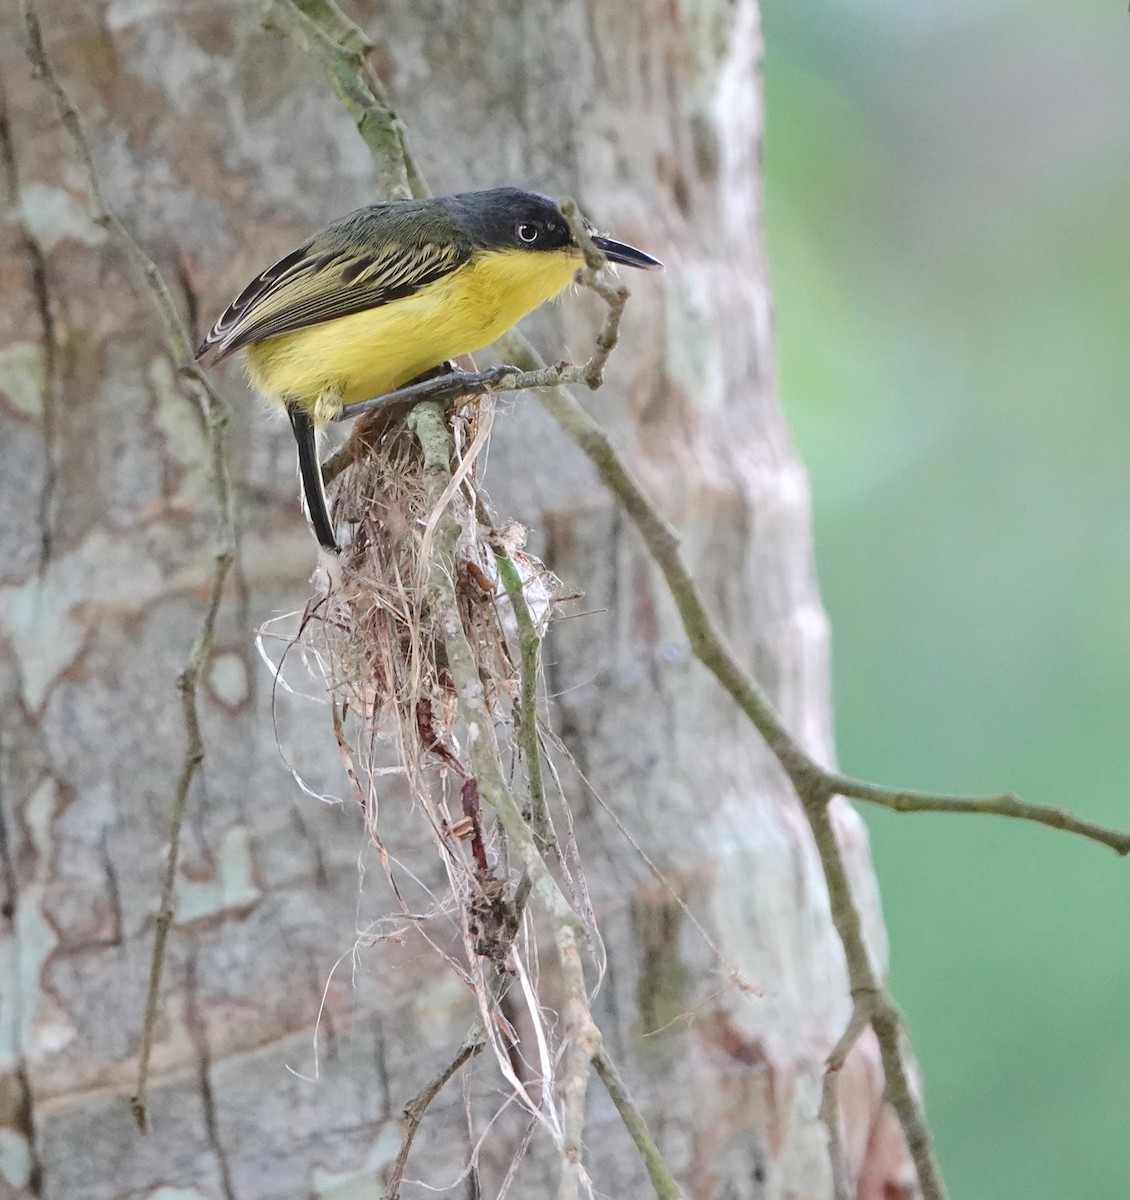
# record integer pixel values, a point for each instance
(310, 472)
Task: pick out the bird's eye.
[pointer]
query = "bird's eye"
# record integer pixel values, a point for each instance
(527, 232)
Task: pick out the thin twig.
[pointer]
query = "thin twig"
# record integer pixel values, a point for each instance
(812, 784)
(584, 1042)
(593, 276)
(215, 416)
(733, 977)
(341, 49)
(830, 1098)
(529, 649)
(594, 256)
(1008, 805)
(660, 1173)
(175, 332)
(415, 1109)
(188, 682)
(868, 993)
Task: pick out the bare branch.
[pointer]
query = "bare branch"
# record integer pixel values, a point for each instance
(995, 806)
(529, 648)
(595, 260)
(594, 276)
(660, 1173)
(584, 1042)
(415, 1109)
(813, 785)
(215, 415)
(868, 990)
(341, 48)
(859, 1020)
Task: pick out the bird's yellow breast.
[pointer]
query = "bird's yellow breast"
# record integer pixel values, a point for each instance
(369, 353)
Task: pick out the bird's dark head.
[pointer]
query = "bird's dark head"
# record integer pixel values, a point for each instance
(513, 219)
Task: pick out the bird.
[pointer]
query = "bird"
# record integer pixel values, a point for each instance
(389, 292)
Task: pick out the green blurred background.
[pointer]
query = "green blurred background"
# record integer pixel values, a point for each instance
(948, 191)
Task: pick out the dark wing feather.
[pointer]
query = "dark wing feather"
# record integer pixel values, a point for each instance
(326, 279)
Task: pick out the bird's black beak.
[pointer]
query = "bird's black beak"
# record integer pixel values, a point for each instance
(625, 255)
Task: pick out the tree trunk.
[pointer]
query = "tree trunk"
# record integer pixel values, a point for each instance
(221, 147)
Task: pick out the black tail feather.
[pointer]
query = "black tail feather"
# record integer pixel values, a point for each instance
(311, 473)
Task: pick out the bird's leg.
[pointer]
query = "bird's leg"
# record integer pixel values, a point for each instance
(444, 386)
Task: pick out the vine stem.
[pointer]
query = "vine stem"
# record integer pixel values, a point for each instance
(214, 412)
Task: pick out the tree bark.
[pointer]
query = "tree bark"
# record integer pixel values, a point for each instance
(221, 147)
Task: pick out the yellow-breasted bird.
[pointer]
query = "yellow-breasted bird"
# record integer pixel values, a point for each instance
(389, 292)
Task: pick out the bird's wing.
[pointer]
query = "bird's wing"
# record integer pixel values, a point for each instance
(314, 284)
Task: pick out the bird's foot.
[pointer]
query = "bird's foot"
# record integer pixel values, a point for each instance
(433, 387)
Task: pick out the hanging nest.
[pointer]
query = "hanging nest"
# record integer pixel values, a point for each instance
(376, 631)
(373, 640)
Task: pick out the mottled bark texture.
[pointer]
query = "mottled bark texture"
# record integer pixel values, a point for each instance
(221, 147)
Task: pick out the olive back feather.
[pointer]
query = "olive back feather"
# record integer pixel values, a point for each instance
(370, 257)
